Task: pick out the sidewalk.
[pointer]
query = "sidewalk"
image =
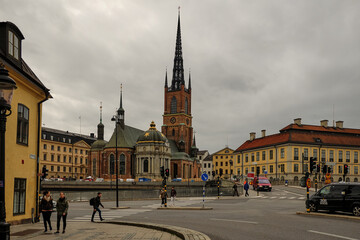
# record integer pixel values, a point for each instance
(106, 230)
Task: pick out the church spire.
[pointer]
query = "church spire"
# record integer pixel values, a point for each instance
(100, 126)
(178, 70)
(121, 111)
(100, 112)
(166, 81)
(189, 85)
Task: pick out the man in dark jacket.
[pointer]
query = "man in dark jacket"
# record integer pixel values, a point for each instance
(46, 208)
(235, 190)
(246, 188)
(62, 206)
(96, 205)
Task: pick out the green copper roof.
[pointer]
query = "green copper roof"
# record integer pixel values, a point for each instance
(152, 136)
(176, 154)
(126, 137)
(98, 145)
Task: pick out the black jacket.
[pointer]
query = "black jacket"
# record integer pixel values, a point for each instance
(97, 202)
(46, 205)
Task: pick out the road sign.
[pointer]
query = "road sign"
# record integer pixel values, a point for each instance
(265, 171)
(204, 177)
(308, 183)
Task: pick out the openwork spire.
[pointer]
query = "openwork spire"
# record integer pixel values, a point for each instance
(166, 81)
(178, 70)
(100, 112)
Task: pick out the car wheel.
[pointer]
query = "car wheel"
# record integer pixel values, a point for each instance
(313, 207)
(356, 210)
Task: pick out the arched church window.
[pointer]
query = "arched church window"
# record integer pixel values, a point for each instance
(173, 132)
(186, 106)
(94, 167)
(173, 105)
(112, 164)
(146, 166)
(122, 164)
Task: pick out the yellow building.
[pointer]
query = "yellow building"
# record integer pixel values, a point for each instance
(223, 161)
(65, 154)
(22, 135)
(286, 155)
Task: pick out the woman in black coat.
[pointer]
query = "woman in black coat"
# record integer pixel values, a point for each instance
(46, 207)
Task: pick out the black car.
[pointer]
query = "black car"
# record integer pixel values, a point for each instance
(337, 197)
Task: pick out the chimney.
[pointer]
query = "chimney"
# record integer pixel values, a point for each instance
(297, 121)
(252, 136)
(324, 123)
(263, 133)
(340, 124)
(92, 135)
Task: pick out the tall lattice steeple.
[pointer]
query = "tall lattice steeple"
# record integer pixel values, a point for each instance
(178, 70)
(121, 111)
(100, 126)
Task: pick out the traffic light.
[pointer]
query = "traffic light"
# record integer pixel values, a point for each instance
(318, 168)
(346, 169)
(329, 169)
(213, 173)
(325, 169)
(221, 172)
(44, 173)
(312, 164)
(167, 173)
(162, 172)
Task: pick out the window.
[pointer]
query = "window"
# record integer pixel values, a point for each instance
(52, 138)
(19, 196)
(221, 157)
(238, 159)
(186, 106)
(306, 154)
(246, 170)
(246, 158)
(356, 170)
(315, 153)
(146, 165)
(331, 157)
(252, 169)
(296, 167)
(340, 156)
(217, 172)
(75, 150)
(226, 164)
(58, 158)
(44, 136)
(45, 146)
(52, 147)
(13, 45)
(52, 168)
(209, 165)
(86, 152)
(271, 168)
(340, 169)
(70, 169)
(252, 157)
(271, 153)
(173, 105)
(70, 159)
(76, 170)
(81, 160)
(263, 155)
(64, 149)
(122, 164)
(173, 132)
(58, 168)
(257, 156)
(112, 164)
(58, 148)
(216, 164)
(221, 164)
(64, 158)
(347, 156)
(64, 169)
(204, 165)
(226, 171)
(44, 156)
(306, 167)
(282, 167)
(69, 140)
(52, 157)
(356, 157)
(94, 167)
(86, 161)
(323, 155)
(70, 150)
(22, 124)
(75, 160)
(282, 152)
(81, 151)
(296, 154)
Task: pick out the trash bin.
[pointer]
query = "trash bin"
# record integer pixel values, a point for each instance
(286, 182)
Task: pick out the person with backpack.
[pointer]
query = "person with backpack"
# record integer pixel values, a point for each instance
(163, 196)
(96, 202)
(62, 206)
(46, 208)
(246, 188)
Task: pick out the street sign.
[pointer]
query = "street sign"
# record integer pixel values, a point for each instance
(308, 183)
(204, 177)
(265, 171)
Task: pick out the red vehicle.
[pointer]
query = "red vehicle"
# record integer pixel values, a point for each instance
(262, 184)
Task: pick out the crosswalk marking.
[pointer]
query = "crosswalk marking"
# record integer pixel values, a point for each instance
(277, 197)
(109, 215)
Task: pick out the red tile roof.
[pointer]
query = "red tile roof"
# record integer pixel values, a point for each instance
(264, 141)
(320, 129)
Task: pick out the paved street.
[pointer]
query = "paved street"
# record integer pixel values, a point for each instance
(271, 215)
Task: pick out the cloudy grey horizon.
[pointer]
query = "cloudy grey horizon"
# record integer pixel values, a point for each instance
(254, 64)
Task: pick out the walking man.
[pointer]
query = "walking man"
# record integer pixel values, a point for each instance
(46, 208)
(62, 206)
(163, 195)
(97, 203)
(173, 196)
(235, 190)
(246, 188)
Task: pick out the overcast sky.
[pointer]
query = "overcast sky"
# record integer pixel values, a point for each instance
(254, 64)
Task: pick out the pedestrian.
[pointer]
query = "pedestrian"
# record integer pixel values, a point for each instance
(97, 203)
(46, 208)
(173, 196)
(163, 196)
(235, 190)
(62, 207)
(246, 188)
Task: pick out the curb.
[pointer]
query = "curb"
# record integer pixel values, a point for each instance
(183, 233)
(328, 215)
(185, 208)
(114, 208)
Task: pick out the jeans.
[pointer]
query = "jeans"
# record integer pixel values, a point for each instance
(46, 219)
(97, 209)
(58, 221)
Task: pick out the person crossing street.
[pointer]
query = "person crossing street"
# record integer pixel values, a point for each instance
(97, 204)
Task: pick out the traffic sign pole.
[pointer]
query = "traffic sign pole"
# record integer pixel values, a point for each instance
(204, 177)
(307, 195)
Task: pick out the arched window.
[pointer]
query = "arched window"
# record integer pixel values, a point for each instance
(173, 132)
(112, 164)
(122, 164)
(94, 167)
(173, 105)
(146, 166)
(186, 106)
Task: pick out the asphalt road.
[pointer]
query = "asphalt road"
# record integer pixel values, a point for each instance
(269, 216)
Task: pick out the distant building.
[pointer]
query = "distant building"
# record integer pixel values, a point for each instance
(200, 156)
(223, 161)
(65, 154)
(207, 164)
(286, 155)
(23, 128)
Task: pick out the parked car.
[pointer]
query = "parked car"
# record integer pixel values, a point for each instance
(262, 184)
(99, 180)
(176, 180)
(89, 179)
(337, 197)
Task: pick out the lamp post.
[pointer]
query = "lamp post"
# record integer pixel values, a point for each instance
(116, 119)
(7, 86)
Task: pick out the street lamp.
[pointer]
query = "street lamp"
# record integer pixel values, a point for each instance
(116, 119)
(7, 86)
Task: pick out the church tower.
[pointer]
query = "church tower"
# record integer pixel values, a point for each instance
(177, 119)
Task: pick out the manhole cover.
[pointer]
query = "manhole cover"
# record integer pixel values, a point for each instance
(25, 232)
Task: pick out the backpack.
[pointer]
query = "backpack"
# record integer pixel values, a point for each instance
(92, 201)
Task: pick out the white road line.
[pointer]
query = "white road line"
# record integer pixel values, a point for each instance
(282, 197)
(294, 193)
(230, 220)
(332, 235)
(292, 197)
(273, 197)
(301, 198)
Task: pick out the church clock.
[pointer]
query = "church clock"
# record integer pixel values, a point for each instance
(173, 120)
